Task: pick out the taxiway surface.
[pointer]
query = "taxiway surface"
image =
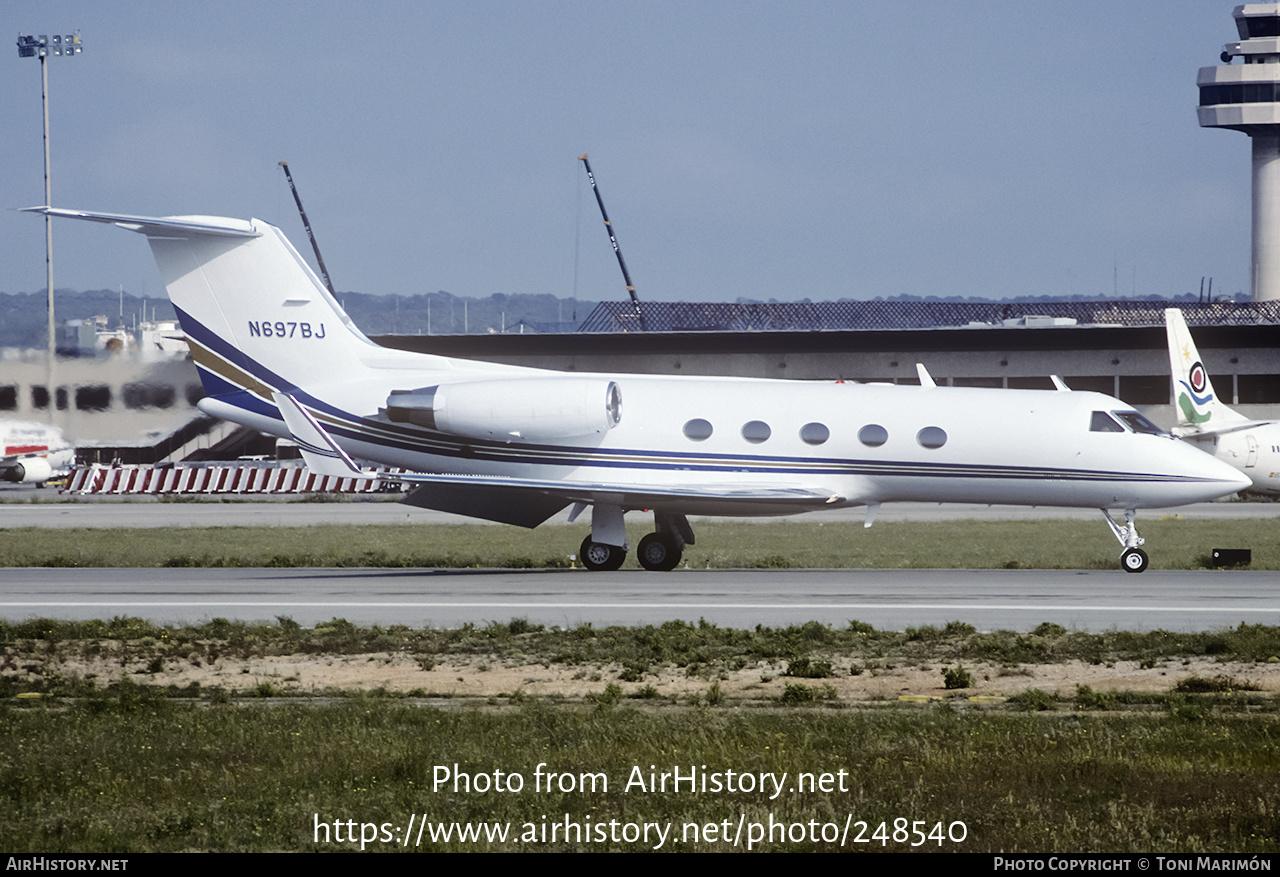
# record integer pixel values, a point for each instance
(888, 599)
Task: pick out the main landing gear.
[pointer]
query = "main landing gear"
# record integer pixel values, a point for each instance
(660, 551)
(1133, 558)
(598, 557)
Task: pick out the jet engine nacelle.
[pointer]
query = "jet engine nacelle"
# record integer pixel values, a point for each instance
(536, 409)
(29, 470)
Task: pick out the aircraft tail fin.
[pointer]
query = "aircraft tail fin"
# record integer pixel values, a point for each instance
(1198, 408)
(256, 317)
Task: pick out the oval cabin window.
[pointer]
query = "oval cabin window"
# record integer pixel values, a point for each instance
(931, 437)
(697, 430)
(814, 433)
(873, 435)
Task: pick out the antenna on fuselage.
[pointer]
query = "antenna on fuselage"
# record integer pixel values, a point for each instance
(626, 275)
(324, 272)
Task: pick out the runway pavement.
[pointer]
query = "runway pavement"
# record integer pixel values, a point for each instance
(888, 599)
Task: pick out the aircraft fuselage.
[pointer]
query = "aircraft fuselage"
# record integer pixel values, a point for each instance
(866, 443)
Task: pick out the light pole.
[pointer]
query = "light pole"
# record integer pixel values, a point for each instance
(41, 47)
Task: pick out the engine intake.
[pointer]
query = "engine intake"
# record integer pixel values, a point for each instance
(29, 470)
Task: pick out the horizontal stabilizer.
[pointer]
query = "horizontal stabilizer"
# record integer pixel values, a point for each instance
(1194, 431)
(158, 225)
(320, 452)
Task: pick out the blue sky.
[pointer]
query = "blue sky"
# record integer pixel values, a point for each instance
(768, 150)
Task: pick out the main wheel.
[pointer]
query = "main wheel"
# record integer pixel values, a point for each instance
(1134, 560)
(658, 552)
(598, 557)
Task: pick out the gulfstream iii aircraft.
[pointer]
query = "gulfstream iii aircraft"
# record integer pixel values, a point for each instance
(1252, 446)
(276, 352)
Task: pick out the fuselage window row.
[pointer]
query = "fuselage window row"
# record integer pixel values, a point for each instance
(873, 435)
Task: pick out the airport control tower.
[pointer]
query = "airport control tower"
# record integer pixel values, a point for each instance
(1246, 97)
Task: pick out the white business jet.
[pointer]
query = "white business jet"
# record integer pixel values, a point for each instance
(1252, 446)
(32, 453)
(276, 352)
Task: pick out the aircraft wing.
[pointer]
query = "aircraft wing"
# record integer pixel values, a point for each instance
(528, 502)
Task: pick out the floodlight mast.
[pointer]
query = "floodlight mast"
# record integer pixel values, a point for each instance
(626, 275)
(307, 225)
(41, 47)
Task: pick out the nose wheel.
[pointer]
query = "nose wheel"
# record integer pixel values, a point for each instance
(1133, 558)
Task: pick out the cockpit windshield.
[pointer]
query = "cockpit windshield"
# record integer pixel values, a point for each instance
(1138, 423)
(1104, 422)
(1110, 421)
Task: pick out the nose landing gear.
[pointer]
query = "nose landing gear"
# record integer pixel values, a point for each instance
(1133, 558)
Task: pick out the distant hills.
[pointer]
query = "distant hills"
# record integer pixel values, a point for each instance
(22, 314)
(23, 318)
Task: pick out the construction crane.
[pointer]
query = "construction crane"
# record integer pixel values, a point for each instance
(307, 225)
(626, 275)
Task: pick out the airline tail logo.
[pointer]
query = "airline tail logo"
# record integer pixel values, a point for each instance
(1199, 380)
(1195, 397)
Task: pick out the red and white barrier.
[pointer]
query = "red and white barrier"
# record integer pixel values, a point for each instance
(217, 479)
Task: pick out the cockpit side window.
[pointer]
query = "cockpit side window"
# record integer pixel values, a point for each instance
(1104, 422)
(1138, 423)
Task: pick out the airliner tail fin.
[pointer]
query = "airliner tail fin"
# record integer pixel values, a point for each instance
(1197, 407)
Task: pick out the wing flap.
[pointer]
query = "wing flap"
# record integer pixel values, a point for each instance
(520, 506)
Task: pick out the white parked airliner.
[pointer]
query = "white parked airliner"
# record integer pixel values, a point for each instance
(504, 443)
(1252, 446)
(32, 453)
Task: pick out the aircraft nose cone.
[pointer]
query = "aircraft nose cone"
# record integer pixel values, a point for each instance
(1241, 481)
(1229, 478)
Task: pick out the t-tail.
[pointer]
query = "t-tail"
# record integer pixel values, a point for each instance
(1198, 408)
(256, 317)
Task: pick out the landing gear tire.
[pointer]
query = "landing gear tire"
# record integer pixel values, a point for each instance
(658, 552)
(1134, 560)
(598, 557)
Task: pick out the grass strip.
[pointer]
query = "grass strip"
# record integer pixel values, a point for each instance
(1173, 543)
(144, 774)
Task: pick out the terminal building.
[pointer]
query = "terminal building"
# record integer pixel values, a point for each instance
(1114, 347)
(117, 407)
